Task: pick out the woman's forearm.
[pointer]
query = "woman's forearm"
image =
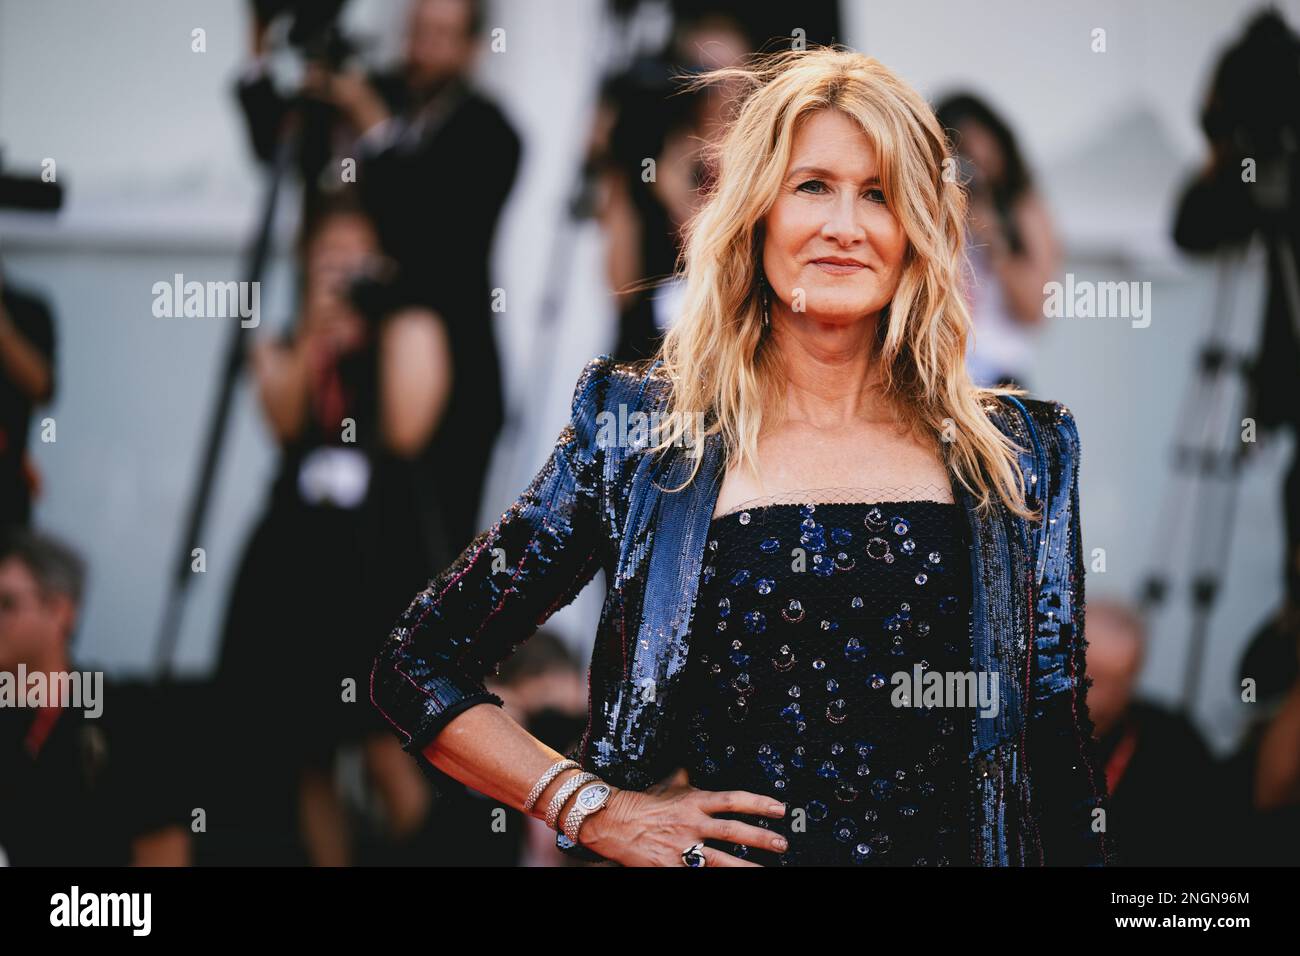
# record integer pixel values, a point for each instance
(1277, 777)
(281, 375)
(487, 750)
(26, 367)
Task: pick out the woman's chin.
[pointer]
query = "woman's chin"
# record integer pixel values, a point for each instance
(841, 312)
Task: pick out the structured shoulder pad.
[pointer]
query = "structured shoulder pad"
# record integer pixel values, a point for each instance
(1041, 426)
(608, 394)
(1056, 428)
(605, 384)
(590, 386)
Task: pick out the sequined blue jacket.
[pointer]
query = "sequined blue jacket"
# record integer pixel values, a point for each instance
(597, 505)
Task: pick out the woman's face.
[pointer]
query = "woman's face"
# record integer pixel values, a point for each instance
(981, 147)
(339, 252)
(831, 242)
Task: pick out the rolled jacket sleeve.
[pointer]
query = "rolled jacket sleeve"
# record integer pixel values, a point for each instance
(534, 560)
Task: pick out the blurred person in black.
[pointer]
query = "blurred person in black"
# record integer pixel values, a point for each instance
(643, 115)
(1013, 246)
(26, 380)
(353, 399)
(1158, 769)
(1247, 807)
(79, 786)
(436, 161)
(1249, 189)
(1263, 774)
(304, 116)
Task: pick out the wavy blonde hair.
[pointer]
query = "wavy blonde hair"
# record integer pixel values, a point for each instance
(717, 358)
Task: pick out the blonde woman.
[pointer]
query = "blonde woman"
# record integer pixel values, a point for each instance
(844, 619)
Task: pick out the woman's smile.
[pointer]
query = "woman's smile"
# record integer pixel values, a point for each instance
(839, 266)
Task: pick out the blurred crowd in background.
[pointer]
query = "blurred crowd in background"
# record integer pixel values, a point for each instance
(385, 398)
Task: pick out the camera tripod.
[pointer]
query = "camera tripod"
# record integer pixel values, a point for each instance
(1210, 450)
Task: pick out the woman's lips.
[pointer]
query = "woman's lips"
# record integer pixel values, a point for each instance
(838, 268)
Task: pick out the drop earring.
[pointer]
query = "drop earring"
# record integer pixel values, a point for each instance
(765, 293)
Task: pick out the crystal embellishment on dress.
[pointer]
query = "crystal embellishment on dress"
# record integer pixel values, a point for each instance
(804, 709)
(878, 549)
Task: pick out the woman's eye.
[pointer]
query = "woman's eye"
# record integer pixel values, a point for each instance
(820, 186)
(876, 195)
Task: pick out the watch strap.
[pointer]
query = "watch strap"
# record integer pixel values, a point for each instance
(563, 794)
(544, 781)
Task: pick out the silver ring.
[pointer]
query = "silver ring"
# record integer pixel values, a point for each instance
(694, 855)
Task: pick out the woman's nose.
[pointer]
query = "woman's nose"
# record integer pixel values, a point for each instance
(844, 224)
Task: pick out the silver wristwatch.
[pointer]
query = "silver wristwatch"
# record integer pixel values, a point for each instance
(590, 799)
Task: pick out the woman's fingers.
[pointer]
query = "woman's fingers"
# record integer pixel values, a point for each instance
(714, 857)
(740, 801)
(734, 831)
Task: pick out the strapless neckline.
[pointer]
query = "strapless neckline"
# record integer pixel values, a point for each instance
(882, 504)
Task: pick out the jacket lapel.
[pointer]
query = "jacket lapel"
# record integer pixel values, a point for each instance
(678, 533)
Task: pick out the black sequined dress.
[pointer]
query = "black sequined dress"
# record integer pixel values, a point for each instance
(791, 690)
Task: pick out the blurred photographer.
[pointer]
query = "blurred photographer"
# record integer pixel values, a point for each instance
(81, 783)
(435, 163)
(1014, 250)
(353, 394)
(645, 112)
(1247, 189)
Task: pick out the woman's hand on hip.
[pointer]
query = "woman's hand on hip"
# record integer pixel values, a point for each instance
(653, 828)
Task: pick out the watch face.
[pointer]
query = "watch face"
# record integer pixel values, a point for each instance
(592, 797)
